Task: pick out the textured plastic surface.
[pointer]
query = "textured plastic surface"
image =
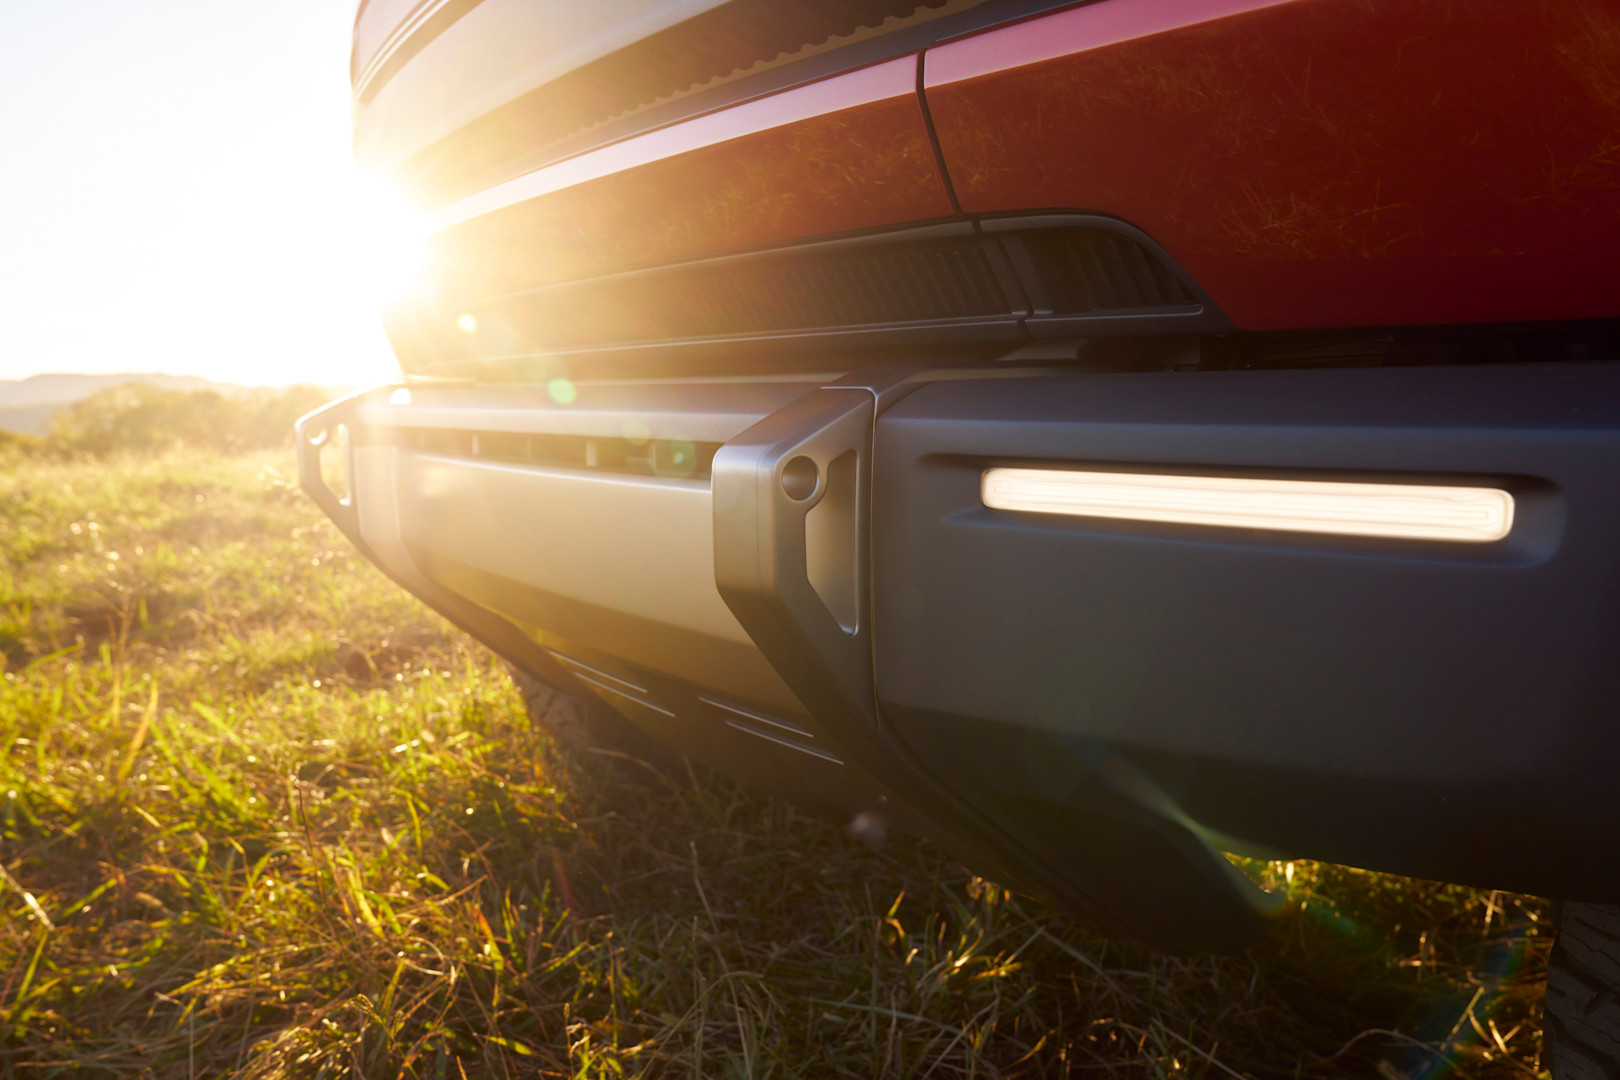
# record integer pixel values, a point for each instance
(1439, 710)
(1006, 279)
(761, 552)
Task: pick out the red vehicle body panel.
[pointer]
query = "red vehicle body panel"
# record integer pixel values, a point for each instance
(1314, 163)
(847, 153)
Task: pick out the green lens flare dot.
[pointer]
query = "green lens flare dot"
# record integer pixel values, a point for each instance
(675, 458)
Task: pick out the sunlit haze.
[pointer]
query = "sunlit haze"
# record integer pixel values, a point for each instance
(179, 194)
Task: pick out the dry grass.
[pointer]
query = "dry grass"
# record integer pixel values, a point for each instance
(262, 814)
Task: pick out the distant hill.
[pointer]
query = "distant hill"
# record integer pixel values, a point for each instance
(29, 419)
(27, 405)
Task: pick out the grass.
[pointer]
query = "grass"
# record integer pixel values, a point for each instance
(262, 814)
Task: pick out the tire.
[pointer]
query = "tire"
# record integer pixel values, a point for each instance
(1581, 1038)
(584, 724)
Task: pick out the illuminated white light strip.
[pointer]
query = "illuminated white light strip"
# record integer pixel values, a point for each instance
(1469, 515)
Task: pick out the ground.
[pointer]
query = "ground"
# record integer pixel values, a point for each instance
(263, 814)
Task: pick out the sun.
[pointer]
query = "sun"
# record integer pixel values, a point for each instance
(384, 239)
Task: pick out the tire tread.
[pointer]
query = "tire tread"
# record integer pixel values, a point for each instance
(1583, 994)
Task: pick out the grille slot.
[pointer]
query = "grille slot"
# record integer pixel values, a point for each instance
(776, 297)
(1008, 280)
(1086, 270)
(668, 459)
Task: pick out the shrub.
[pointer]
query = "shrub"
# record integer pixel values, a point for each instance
(140, 417)
(17, 444)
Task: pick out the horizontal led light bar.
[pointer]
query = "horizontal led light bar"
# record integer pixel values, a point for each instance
(1469, 515)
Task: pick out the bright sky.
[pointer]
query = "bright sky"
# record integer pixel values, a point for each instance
(178, 195)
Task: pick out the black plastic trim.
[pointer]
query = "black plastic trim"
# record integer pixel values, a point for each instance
(1435, 709)
(994, 280)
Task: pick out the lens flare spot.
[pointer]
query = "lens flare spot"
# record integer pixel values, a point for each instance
(561, 390)
(675, 458)
(466, 323)
(636, 433)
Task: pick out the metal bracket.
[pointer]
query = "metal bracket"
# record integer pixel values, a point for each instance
(315, 430)
(766, 482)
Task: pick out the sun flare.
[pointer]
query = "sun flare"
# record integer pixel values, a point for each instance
(384, 240)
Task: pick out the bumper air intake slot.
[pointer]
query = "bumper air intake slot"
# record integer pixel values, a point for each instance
(1003, 280)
